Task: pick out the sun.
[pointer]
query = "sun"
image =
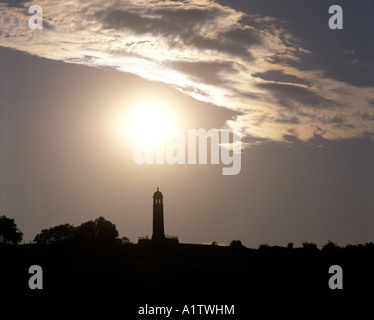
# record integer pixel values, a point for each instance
(150, 124)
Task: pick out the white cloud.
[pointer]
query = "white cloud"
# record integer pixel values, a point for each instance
(206, 50)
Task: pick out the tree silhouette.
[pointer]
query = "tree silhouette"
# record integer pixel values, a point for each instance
(61, 233)
(97, 231)
(9, 233)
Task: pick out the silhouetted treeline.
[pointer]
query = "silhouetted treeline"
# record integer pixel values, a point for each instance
(94, 232)
(103, 267)
(101, 231)
(186, 269)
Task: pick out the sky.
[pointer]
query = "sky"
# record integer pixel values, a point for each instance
(301, 94)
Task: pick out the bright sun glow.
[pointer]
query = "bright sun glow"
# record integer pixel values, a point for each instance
(150, 124)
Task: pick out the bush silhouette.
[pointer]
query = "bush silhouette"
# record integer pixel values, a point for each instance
(330, 246)
(123, 241)
(236, 244)
(264, 246)
(310, 246)
(9, 233)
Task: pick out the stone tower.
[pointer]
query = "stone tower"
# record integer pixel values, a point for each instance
(158, 217)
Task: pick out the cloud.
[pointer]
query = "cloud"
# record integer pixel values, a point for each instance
(212, 52)
(15, 3)
(279, 76)
(184, 27)
(211, 72)
(292, 96)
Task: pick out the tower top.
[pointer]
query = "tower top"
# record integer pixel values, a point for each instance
(158, 194)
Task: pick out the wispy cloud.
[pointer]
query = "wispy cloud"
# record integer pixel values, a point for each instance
(212, 52)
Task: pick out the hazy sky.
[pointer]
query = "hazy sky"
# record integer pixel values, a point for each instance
(302, 94)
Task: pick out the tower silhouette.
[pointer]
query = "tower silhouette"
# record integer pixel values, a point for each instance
(158, 216)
